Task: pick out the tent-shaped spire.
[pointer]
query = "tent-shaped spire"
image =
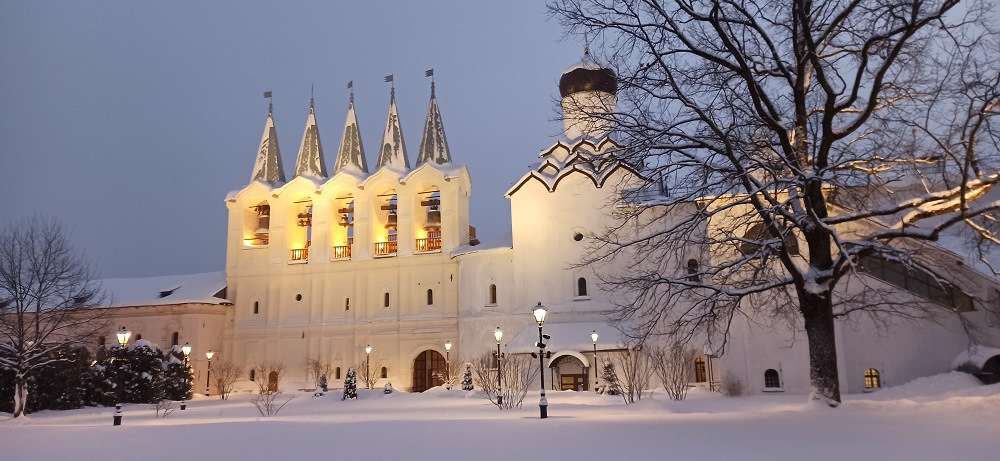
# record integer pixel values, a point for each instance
(434, 144)
(393, 150)
(268, 167)
(310, 161)
(351, 155)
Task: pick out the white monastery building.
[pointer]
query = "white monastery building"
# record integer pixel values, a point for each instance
(326, 262)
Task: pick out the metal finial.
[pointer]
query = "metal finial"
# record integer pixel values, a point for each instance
(312, 100)
(586, 44)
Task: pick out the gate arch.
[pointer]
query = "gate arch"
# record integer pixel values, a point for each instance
(429, 369)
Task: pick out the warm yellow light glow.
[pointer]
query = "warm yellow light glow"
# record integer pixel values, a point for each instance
(498, 334)
(210, 354)
(186, 349)
(539, 312)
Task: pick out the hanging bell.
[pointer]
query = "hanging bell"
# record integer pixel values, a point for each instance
(433, 219)
(344, 221)
(390, 223)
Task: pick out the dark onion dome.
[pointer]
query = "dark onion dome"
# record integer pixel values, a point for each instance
(587, 75)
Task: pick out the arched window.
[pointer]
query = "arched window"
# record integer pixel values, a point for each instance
(430, 297)
(492, 297)
(581, 286)
(771, 379)
(385, 372)
(173, 338)
(101, 341)
(347, 304)
(138, 336)
(253, 374)
(699, 370)
(385, 300)
(337, 374)
(872, 379)
(256, 307)
(693, 268)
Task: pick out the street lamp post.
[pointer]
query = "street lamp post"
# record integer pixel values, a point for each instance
(208, 375)
(123, 336)
(543, 403)
(498, 335)
(368, 360)
(187, 369)
(447, 364)
(593, 337)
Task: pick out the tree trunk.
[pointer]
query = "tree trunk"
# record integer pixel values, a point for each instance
(20, 394)
(817, 311)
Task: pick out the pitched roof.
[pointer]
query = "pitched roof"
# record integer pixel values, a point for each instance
(268, 167)
(310, 160)
(351, 155)
(168, 289)
(434, 144)
(392, 151)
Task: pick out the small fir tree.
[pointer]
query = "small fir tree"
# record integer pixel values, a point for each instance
(144, 377)
(350, 385)
(611, 386)
(177, 379)
(322, 383)
(467, 378)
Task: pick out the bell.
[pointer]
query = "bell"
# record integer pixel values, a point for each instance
(344, 221)
(433, 219)
(391, 220)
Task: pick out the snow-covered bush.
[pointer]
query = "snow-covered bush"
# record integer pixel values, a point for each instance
(467, 378)
(388, 388)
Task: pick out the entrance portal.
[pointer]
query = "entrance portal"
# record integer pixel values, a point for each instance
(428, 370)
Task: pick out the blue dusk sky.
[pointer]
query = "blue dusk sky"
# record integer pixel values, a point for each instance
(130, 121)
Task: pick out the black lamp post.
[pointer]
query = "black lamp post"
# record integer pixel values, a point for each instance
(543, 403)
(187, 368)
(123, 336)
(593, 337)
(368, 359)
(447, 364)
(498, 335)
(208, 375)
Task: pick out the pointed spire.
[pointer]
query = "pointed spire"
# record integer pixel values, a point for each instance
(310, 161)
(268, 167)
(393, 149)
(434, 144)
(351, 155)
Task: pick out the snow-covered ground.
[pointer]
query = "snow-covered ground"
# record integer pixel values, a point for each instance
(945, 417)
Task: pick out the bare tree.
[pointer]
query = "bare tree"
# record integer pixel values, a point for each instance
(787, 147)
(268, 398)
(371, 370)
(226, 373)
(636, 369)
(315, 369)
(672, 365)
(516, 374)
(49, 299)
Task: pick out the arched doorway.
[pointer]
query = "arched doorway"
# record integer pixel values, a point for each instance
(272, 381)
(570, 373)
(428, 370)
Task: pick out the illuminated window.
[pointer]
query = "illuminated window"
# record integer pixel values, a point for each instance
(699, 370)
(771, 379)
(430, 297)
(872, 379)
(492, 295)
(581, 286)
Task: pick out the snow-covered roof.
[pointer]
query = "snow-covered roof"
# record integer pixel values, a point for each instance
(568, 336)
(168, 289)
(434, 143)
(267, 167)
(392, 151)
(351, 155)
(978, 355)
(310, 161)
(594, 159)
(504, 242)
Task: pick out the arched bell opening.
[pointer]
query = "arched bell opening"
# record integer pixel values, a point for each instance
(299, 229)
(387, 224)
(428, 231)
(342, 235)
(257, 224)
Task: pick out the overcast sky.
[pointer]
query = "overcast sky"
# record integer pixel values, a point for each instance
(130, 121)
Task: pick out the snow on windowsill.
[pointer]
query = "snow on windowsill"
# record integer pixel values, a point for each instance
(581, 298)
(298, 261)
(773, 389)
